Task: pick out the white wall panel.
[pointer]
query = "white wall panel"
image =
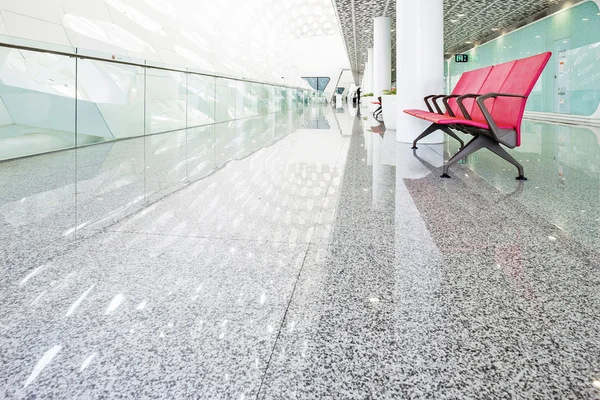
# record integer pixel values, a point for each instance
(46, 10)
(3, 28)
(94, 9)
(35, 29)
(85, 42)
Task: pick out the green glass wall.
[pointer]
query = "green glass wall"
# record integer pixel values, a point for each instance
(570, 84)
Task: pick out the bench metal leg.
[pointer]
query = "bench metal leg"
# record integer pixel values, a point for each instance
(478, 143)
(432, 128)
(449, 132)
(377, 112)
(496, 148)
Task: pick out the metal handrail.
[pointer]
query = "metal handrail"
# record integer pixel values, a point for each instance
(134, 64)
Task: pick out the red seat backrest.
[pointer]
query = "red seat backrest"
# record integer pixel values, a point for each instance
(521, 80)
(515, 77)
(469, 82)
(493, 83)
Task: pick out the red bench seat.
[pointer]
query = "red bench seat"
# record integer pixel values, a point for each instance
(487, 103)
(443, 119)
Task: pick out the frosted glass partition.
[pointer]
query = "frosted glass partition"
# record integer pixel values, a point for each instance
(166, 105)
(278, 99)
(52, 100)
(266, 103)
(201, 99)
(570, 84)
(225, 100)
(37, 102)
(110, 101)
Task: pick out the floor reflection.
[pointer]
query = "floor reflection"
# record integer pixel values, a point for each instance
(562, 164)
(256, 254)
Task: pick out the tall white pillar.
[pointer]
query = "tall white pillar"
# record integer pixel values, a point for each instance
(419, 63)
(370, 56)
(382, 51)
(366, 78)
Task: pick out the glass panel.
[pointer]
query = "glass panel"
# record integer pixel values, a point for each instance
(247, 99)
(166, 166)
(254, 94)
(318, 84)
(270, 94)
(41, 82)
(110, 101)
(201, 100)
(278, 99)
(165, 100)
(226, 100)
(294, 94)
(226, 142)
(240, 101)
(251, 135)
(201, 155)
(264, 99)
(110, 183)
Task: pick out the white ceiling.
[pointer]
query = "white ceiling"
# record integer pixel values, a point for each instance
(464, 21)
(242, 38)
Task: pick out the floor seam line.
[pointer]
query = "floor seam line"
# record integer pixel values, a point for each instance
(282, 322)
(239, 240)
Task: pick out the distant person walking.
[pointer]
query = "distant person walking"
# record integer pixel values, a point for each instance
(358, 97)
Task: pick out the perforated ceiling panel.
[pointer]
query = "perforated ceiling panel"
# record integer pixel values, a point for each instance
(465, 22)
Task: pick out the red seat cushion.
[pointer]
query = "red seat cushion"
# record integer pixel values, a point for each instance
(376, 102)
(415, 111)
(448, 120)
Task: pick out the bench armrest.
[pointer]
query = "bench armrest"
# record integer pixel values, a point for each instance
(488, 116)
(426, 99)
(460, 100)
(447, 105)
(435, 103)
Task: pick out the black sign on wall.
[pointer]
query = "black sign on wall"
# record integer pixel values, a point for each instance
(461, 58)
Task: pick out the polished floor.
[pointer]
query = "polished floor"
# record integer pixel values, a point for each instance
(301, 256)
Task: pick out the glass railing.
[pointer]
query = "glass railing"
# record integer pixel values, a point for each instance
(54, 99)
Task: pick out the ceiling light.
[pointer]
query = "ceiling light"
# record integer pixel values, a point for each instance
(495, 29)
(584, 19)
(469, 42)
(538, 36)
(460, 15)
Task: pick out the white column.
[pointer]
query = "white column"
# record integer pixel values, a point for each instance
(382, 51)
(419, 63)
(370, 56)
(366, 78)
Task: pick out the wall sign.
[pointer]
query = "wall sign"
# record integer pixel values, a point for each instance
(461, 58)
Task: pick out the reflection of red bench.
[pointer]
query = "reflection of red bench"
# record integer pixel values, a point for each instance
(487, 103)
(379, 109)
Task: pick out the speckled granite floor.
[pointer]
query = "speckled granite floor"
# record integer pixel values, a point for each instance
(299, 264)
